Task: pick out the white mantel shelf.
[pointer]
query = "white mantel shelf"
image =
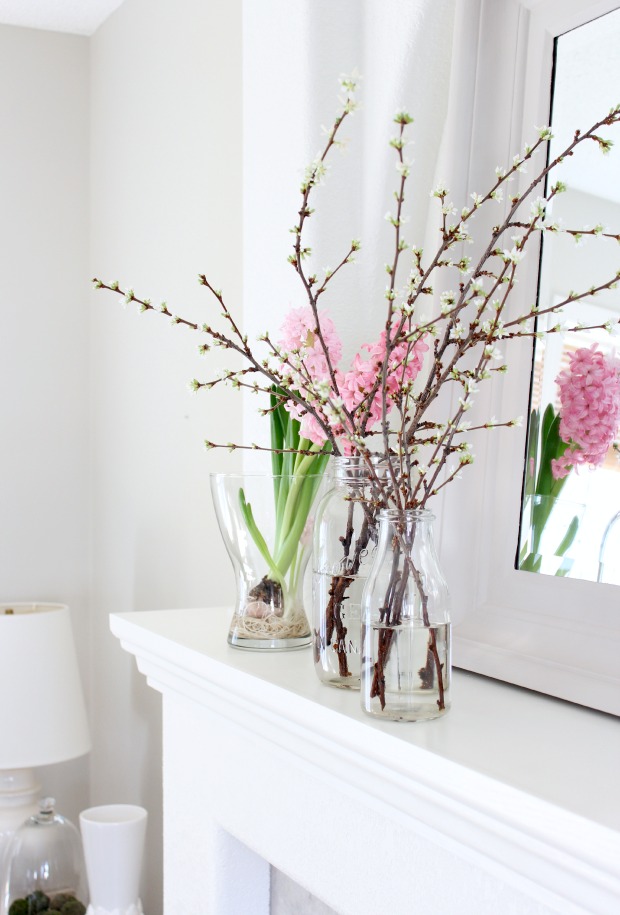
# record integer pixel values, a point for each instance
(509, 804)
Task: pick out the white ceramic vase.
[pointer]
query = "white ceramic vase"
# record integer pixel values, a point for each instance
(113, 839)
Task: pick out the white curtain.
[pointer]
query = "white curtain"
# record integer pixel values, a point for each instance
(413, 54)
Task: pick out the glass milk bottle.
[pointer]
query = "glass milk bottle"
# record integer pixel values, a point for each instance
(406, 666)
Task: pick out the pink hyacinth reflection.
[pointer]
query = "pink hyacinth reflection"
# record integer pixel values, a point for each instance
(590, 409)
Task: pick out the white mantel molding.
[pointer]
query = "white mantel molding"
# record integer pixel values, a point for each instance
(521, 788)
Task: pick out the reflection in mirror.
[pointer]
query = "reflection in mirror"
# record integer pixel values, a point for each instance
(570, 522)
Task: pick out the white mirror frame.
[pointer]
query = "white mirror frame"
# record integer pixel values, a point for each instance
(554, 635)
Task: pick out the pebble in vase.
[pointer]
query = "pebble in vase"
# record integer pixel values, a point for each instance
(113, 839)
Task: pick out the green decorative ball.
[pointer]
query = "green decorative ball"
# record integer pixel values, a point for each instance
(37, 902)
(73, 907)
(19, 907)
(57, 901)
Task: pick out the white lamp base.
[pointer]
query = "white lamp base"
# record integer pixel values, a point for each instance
(19, 794)
(135, 909)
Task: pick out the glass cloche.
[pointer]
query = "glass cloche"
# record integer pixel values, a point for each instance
(44, 867)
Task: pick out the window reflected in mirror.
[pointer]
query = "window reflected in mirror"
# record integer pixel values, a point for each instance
(570, 523)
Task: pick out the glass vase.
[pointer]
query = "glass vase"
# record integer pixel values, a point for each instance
(406, 657)
(44, 866)
(344, 540)
(266, 523)
(549, 534)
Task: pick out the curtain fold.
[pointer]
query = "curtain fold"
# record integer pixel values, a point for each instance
(293, 55)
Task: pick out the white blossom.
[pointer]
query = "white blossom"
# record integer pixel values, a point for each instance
(470, 385)
(513, 256)
(448, 301)
(493, 352)
(538, 208)
(404, 167)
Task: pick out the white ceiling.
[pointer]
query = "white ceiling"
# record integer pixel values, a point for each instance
(81, 17)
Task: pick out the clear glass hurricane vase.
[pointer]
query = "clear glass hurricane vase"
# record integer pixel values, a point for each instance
(344, 540)
(266, 523)
(406, 654)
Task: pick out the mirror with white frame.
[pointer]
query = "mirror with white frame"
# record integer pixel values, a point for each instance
(555, 634)
(570, 521)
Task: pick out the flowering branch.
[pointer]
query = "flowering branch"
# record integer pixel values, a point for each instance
(405, 371)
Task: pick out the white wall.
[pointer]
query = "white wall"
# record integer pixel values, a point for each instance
(44, 494)
(166, 205)
(104, 486)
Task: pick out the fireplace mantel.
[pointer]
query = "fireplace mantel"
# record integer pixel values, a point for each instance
(510, 803)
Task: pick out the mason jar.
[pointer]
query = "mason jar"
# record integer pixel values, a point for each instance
(343, 546)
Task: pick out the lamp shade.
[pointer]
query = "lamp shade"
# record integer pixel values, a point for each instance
(42, 713)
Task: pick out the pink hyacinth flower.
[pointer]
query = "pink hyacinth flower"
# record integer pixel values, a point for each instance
(405, 364)
(299, 336)
(299, 333)
(354, 387)
(590, 409)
